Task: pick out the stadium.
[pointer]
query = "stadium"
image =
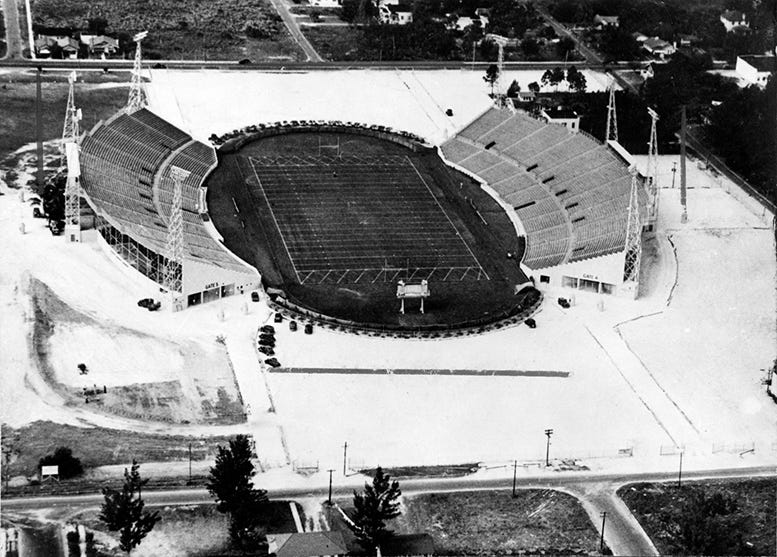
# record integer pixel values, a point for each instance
(330, 217)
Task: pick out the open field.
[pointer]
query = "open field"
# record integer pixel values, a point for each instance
(218, 29)
(493, 523)
(17, 109)
(97, 446)
(748, 530)
(197, 530)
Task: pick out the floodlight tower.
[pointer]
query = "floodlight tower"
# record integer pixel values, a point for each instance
(172, 279)
(633, 247)
(70, 130)
(73, 193)
(500, 63)
(652, 170)
(611, 133)
(137, 97)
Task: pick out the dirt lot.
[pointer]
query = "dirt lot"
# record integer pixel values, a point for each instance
(748, 530)
(493, 523)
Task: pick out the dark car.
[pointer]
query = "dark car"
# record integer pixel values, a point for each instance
(159, 66)
(57, 227)
(272, 362)
(154, 306)
(145, 302)
(531, 323)
(292, 325)
(278, 317)
(563, 302)
(267, 350)
(245, 62)
(254, 296)
(269, 329)
(309, 328)
(37, 213)
(267, 336)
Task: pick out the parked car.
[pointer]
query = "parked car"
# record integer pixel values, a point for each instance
(531, 323)
(145, 302)
(154, 306)
(563, 302)
(308, 328)
(267, 350)
(267, 329)
(57, 227)
(272, 362)
(292, 325)
(254, 296)
(37, 213)
(278, 317)
(266, 342)
(267, 336)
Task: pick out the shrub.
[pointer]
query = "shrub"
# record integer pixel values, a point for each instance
(69, 466)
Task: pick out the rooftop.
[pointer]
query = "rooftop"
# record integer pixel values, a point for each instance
(307, 544)
(761, 62)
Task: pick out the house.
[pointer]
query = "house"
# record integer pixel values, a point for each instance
(326, 3)
(395, 14)
(731, 19)
(562, 116)
(639, 37)
(494, 38)
(687, 40)
(100, 44)
(602, 21)
(306, 544)
(46, 45)
(463, 22)
(755, 69)
(658, 48)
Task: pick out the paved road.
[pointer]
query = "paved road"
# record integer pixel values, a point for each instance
(623, 534)
(13, 34)
(591, 56)
(291, 24)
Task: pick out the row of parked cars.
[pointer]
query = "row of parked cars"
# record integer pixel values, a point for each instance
(293, 326)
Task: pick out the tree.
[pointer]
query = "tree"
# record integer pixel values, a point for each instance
(373, 507)
(530, 47)
(565, 46)
(492, 74)
(576, 80)
(534, 87)
(553, 77)
(69, 466)
(513, 90)
(124, 512)
(230, 482)
(708, 525)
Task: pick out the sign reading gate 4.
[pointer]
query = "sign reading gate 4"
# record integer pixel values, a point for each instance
(211, 285)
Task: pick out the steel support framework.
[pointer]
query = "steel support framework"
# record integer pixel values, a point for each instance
(611, 133)
(652, 170)
(174, 249)
(137, 96)
(633, 246)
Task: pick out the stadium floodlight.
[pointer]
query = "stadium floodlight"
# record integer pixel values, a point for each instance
(140, 36)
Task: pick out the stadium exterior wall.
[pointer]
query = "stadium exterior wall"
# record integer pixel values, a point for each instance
(211, 282)
(601, 274)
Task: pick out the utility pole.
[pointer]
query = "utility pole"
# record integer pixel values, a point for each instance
(674, 173)
(548, 433)
(345, 457)
(329, 500)
(683, 200)
(680, 472)
(515, 471)
(601, 539)
(39, 127)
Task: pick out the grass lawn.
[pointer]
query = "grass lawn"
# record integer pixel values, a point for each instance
(660, 507)
(100, 446)
(442, 471)
(17, 107)
(197, 530)
(336, 42)
(493, 523)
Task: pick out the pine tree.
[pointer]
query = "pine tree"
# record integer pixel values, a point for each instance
(492, 74)
(231, 484)
(124, 512)
(373, 507)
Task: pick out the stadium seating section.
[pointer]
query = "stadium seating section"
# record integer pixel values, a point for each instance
(126, 164)
(570, 192)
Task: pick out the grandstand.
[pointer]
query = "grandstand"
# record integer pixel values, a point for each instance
(126, 179)
(570, 193)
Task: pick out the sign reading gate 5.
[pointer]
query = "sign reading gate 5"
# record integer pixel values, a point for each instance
(211, 285)
(590, 277)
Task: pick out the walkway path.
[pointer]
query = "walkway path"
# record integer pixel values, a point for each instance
(13, 34)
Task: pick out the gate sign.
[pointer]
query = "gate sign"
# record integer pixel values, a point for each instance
(49, 470)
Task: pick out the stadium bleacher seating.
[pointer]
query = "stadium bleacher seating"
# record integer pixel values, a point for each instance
(126, 164)
(570, 192)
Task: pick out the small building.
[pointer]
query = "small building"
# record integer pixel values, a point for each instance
(46, 45)
(100, 44)
(307, 544)
(525, 97)
(326, 3)
(731, 19)
(659, 48)
(687, 40)
(395, 14)
(639, 37)
(755, 69)
(562, 116)
(603, 21)
(463, 22)
(647, 71)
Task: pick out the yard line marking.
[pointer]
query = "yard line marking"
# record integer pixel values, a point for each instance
(446, 215)
(283, 238)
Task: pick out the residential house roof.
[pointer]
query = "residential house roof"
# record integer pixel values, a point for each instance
(734, 16)
(762, 63)
(408, 544)
(606, 19)
(656, 44)
(307, 544)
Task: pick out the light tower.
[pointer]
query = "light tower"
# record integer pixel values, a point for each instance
(137, 97)
(500, 64)
(70, 130)
(172, 279)
(633, 247)
(73, 193)
(652, 171)
(683, 191)
(611, 133)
